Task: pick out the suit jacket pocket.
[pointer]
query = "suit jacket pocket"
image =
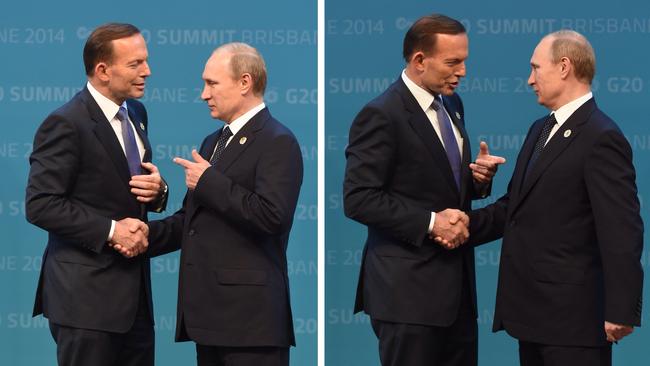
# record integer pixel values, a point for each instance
(558, 273)
(241, 277)
(69, 254)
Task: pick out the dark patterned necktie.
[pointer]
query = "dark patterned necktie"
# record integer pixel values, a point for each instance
(221, 145)
(541, 142)
(130, 146)
(448, 139)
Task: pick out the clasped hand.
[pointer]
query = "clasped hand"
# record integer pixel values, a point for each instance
(130, 237)
(450, 228)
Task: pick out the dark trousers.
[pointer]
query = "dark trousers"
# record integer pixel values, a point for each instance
(535, 354)
(241, 356)
(421, 345)
(84, 347)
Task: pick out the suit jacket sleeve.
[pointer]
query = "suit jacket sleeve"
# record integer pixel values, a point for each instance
(610, 180)
(269, 207)
(370, 160)
(488, 223)
(166, 235)
(54, 162)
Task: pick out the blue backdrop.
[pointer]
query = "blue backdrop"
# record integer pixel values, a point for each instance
(41, 46)
(363, 56)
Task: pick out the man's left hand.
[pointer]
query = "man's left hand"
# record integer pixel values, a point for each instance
(616, 332)
(486, 165)
(193, 170)
(147, 187)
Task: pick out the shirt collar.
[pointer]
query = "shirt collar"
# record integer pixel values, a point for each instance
(108, 107)
(240, 121)
(423, 97)
(563, 113)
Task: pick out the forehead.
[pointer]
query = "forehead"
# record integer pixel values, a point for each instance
(130, 47)
(216, 65)
(542, 51)
(451, 45)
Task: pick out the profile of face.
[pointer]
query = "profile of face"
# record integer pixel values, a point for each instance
(545, 76)
(443, 68)
(221, 91)
(128, 69)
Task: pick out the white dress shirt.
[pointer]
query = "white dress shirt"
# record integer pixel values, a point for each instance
(241, 121)
(563, 113)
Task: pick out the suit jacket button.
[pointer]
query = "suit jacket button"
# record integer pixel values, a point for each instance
(513, 223)
(191, 232)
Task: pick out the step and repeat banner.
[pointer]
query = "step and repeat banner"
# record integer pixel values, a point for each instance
(41, 45)
(363, 57)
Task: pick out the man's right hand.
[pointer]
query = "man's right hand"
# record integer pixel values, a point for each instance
(450, 228)
(130, 237)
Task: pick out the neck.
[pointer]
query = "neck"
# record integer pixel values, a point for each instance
(247, 105)
(103, 89)
(570, 94)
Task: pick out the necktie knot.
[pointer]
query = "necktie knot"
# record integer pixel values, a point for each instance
(437, 103)
(226, 133)
(122, 115)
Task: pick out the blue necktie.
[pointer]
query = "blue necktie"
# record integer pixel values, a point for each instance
(130, 146)
(448, 139)
(221, 145)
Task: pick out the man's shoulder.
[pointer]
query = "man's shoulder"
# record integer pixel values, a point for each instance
(392, 96)
(274, 128)
(74, 109)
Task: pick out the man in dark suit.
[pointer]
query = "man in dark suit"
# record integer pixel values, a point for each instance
(243, 186)
(88, 190)
(408, 158)
(570, 278)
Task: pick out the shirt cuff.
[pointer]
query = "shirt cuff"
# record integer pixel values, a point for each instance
(431, 222)
(110, 233)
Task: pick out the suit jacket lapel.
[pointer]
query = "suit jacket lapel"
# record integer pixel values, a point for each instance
(140, 129)
(107, 138)
(424, 130)
(242, 140)
(556, 145)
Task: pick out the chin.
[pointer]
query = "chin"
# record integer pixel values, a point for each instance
(137, 95)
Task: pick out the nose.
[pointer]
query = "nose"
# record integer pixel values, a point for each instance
(146, 71)
(461, 71)
(205, 94)
(531, 78)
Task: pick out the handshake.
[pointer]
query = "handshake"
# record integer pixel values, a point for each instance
(130, 237)
(450, 228)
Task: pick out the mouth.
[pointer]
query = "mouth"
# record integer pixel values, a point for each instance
(139, 85)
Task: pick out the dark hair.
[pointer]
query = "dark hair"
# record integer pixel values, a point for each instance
(99, 45)
(422, 34)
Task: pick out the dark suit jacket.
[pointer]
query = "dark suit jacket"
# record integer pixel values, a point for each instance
(234, 228)
(572, 235)
(78, 183)
(397, 173)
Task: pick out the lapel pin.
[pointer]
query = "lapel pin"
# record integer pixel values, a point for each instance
(457, 115)
(242, 140)
(142, 126)
(567, 133)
